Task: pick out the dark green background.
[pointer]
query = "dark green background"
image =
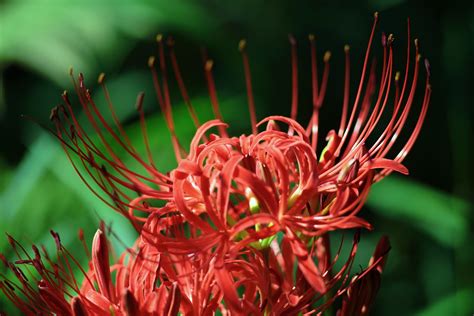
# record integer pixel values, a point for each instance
(427, 215)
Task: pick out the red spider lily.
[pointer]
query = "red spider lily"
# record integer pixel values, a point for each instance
(50, 287)
(245, 221)
(360, 296)
(240, 192)
(330, 188)
(148, 281)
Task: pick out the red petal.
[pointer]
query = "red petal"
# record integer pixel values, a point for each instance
(383, 163)
(100, 263)
(77, 307)
(173, 301)
(383, 247)
(226, 284)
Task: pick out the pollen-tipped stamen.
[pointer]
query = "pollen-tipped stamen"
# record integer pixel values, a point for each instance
(248, 84)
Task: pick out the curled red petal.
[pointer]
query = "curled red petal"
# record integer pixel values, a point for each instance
(292, 123)
(392, 165)
(226, 284)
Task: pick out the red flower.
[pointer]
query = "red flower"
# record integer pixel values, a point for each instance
(245, 222)
(238, 192)
(48, 286)
(146, 280)
(330, 187)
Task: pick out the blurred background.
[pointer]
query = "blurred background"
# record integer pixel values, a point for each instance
(428, 215)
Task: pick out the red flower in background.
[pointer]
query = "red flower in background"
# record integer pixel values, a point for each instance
(46, 286)
(245, 222)
(148, 281)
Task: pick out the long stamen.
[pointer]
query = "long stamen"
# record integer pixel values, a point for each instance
(382, 99)
(319, 101)
(404, 115)
(74, 134)
(294, 78)
(139, 107)
(409, 144)
(181, 85)
(361, 83)
(101, 82)
(91, 175)
(211, 86)
(381, 144)
(90, 150)
(314, 69)
(90, 143)
(345, 102)
(178, 149)
(248, 83)
(324, 81)
(364, 110)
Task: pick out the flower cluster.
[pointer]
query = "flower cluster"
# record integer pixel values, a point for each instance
(244, 224)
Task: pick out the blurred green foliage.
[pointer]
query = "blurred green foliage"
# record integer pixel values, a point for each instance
(50, 36)
(428, 215)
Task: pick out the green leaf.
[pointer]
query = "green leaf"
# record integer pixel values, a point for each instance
(459, 303)
(51, 36)
(443, 217)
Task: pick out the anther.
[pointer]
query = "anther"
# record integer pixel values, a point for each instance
(311, 37)
(397, 76)
(151, 61)
(242, 45)
(65, 96)
(54, 114)
(159, 37)
(208, 65)
(81, 81)
(428, 67)
(139, 102)
(346, 48)
(57, 239)
(390, 39)
(101, 78)
(327, 56)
